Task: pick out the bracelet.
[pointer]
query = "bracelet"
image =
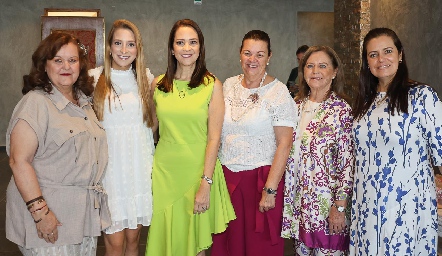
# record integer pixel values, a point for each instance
(270, 191)
(37, 221)
(209, 180)
(38, 202)
(33, 200)
(39, 209)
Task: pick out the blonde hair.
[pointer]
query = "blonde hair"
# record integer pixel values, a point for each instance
(103, 88)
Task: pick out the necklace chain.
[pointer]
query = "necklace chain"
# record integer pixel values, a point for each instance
(237, 104)
(380, 99)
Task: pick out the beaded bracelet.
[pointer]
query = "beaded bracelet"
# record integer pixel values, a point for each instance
(39, 209)
(37, 221)
(33, 200)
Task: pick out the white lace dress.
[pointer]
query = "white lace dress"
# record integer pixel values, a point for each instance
(128, 180)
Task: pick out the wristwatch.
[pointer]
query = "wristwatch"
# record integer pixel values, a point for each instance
(269, 191)
(209, 180)
(339, 208)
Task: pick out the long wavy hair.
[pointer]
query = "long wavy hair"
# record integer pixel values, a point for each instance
(338, 83)
(398, 88)
(199, 73)
(104, 86)
(38, 79)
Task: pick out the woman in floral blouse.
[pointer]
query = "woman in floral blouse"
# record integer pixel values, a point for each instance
(319, 173)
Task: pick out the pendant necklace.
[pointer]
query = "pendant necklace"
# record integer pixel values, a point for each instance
(117, 94)
(182, 92)
(239, 106)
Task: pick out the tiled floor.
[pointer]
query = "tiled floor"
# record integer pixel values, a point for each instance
(8, 248)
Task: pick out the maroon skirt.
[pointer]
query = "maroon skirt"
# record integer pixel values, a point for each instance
(252, 233)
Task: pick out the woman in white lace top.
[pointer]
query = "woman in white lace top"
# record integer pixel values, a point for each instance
(255, 144)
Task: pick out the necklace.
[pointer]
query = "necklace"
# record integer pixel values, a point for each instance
(240, 106)
(380, 98)
(181, 92)
(116, 94)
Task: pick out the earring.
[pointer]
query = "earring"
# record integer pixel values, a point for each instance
(400, 61)
(333, 78)
(267, 63)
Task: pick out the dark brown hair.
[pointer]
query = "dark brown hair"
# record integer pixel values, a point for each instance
(338, 82)
(200, 72)
(46, 50)
(257, 35)
(397, 90)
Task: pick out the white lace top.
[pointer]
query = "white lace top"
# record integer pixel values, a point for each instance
(249, 142)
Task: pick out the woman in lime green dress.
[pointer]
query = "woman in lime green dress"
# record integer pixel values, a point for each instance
(190, 198)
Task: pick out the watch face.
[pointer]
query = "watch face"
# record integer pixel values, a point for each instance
(341, 209)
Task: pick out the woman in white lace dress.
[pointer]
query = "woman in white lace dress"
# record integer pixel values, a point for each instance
(255, 144)
(121, 102)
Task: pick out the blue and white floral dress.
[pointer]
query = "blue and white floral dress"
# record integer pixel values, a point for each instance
(394, 210)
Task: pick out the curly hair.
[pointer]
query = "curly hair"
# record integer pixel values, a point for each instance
(38, 79)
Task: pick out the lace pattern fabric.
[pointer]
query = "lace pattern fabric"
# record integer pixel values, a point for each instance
(250, 142)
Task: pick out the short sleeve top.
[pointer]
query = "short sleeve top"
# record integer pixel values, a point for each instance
(69, 163)
(248, 139)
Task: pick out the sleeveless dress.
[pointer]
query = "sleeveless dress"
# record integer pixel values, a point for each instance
(128, 181)
(176, 176)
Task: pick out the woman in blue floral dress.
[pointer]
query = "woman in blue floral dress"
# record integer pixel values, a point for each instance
(398, 137)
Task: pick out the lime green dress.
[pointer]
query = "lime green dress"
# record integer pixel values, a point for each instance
(177, 169)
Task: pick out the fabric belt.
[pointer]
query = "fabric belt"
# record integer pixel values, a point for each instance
(99, 195)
